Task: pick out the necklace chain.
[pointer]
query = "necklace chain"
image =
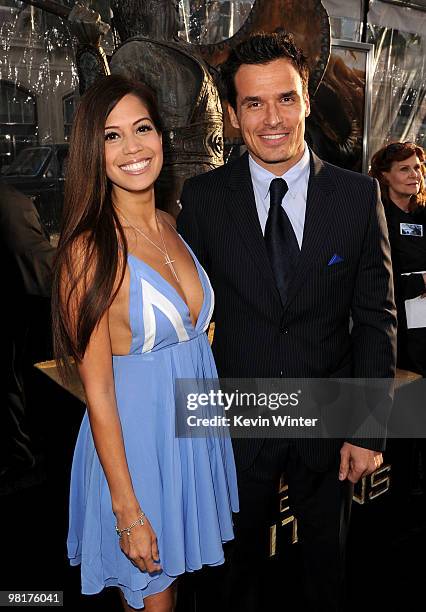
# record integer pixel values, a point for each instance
(168, 262)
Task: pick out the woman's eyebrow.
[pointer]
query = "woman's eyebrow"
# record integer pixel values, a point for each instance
(109, 127)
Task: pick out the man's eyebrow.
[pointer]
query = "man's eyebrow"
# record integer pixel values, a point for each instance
(283, 94)
(251, 99)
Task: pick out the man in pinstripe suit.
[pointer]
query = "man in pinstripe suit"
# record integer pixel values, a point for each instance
(335, 233)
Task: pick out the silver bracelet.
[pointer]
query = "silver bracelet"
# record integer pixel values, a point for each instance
(139, 521)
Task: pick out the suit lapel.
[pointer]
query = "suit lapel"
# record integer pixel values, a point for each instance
(242, 209)
(320, 204)
(319, 213)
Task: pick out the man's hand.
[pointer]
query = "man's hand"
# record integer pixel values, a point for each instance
(357, 462)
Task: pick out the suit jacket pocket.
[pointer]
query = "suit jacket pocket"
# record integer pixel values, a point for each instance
(335, 270)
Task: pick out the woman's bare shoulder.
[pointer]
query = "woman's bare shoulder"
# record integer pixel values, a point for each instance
(167, 217)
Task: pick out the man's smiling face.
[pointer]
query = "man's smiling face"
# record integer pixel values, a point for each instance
(271, 112)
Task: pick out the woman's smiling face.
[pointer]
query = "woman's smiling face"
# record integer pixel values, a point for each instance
(404, 177)
(133, 147)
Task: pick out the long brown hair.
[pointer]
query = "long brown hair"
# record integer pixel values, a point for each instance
(90, 224)
(382, 161)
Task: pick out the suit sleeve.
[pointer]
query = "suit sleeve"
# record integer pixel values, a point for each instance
(374, 322)
(26, 241)
(188, 224)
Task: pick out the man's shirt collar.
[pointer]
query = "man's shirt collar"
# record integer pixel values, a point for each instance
(297, 173)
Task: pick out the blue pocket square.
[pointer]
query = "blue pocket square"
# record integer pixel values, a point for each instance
(335, 260)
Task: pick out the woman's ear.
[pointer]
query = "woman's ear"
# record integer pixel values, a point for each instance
(382, 179)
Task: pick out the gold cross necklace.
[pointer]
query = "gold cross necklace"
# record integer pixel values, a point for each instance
(168, 262)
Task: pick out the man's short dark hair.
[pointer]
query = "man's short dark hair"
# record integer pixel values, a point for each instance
(262, 48)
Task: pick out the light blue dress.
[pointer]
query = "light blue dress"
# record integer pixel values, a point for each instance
(186, 486)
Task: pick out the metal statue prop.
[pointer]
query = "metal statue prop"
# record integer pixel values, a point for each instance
(188, 98)
(182, 73)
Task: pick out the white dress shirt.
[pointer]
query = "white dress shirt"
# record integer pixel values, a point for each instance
(294, 201)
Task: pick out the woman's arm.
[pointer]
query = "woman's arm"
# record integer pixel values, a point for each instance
(97, 377)
(98, 380)
(96, 372)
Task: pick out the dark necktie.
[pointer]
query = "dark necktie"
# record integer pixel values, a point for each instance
(280, 239)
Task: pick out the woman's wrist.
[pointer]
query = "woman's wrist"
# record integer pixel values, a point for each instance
(125, 509)
(120, 529)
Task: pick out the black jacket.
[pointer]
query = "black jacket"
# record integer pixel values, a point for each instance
(308, 336)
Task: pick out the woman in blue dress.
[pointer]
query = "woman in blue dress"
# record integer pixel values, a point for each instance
(132, 305)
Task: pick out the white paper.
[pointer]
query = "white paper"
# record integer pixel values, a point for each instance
(415, 310)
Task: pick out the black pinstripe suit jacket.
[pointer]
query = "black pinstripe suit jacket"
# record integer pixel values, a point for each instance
(308, 336)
